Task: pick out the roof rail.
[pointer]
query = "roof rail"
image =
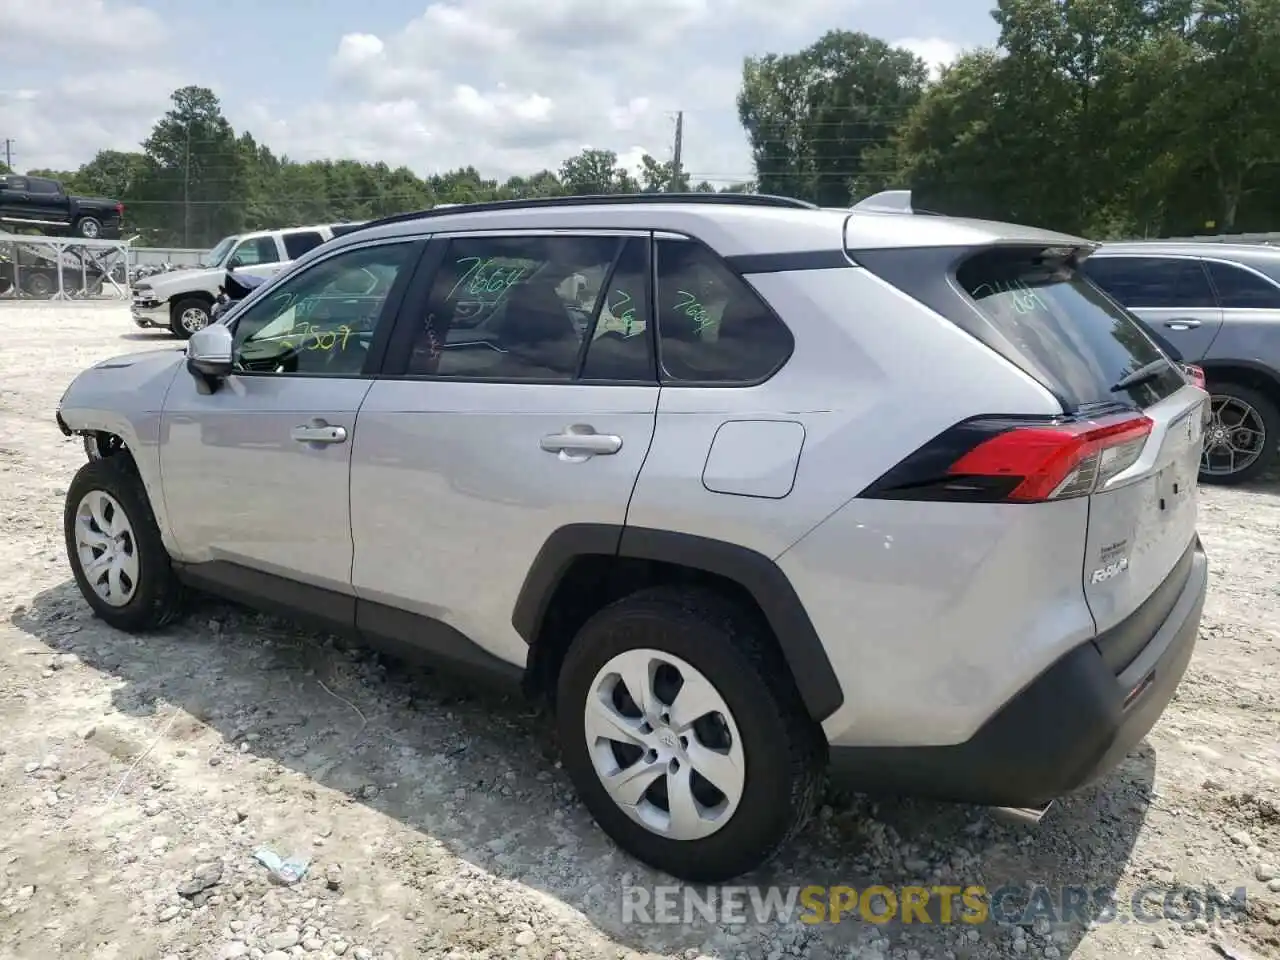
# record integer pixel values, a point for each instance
(612, 199)
(886, 201)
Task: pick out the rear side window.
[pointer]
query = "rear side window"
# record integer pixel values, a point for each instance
(712, 328)
(1152, 282)
(1237, 287)
(304, 241)
(1077, 340)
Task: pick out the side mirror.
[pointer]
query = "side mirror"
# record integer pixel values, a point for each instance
(209, 355)
(234, 262)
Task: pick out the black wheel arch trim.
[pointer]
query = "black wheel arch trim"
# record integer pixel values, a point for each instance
(756, 573)
(1223, 369)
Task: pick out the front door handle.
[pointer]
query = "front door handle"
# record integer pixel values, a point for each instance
(1184, 324)
(319, 433)
(580, 441)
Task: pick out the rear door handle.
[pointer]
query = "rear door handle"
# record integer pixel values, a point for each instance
(1185, 324)
(581, 440)
(319, 433)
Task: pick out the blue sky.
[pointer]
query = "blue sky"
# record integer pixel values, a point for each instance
(509, 86)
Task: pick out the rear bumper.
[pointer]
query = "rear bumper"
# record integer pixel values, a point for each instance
(1070, 727)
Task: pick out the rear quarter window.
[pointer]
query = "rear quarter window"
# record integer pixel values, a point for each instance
(1074, 337)
(304, 241)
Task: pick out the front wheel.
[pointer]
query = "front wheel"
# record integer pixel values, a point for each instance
(1242, 438)
(188, 316)
(114, 546)
(684, 736)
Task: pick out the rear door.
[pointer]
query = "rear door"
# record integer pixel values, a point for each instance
(515, 401)
(47, 201)
(1172, 295)
(1141, 521)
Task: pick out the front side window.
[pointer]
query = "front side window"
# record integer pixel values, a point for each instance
(1152, 282)
(321, 322)
(712, 328)
(527, 308)
(1238, 288)
(45, 188)
(256, 251)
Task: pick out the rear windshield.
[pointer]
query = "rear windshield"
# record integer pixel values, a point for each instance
(1078, 340)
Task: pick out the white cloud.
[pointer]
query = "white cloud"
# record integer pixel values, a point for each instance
(934, 51)
(67, 123)
(507, 86)
(28, 29)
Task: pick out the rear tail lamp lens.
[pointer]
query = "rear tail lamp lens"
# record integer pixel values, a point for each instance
(1009, 460)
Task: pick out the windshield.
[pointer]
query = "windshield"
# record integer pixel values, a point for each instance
(219, 253)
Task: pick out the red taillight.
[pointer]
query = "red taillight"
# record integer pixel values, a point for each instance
(120, 210)
(1017, 460)
(1195, 373)
(1052, 462)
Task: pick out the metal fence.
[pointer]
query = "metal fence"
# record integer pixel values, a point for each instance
(62, 268)
(178, 256)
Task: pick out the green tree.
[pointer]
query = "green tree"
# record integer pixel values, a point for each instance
(595, 172)
(812, 117)
(659, 176)
(199, 167)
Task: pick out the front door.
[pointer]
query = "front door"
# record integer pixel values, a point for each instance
(256, 474)
(519, 397)
(257, 256)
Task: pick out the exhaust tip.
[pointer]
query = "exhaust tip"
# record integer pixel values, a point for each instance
(1030, 816)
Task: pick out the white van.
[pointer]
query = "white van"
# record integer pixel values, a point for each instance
(182, 300)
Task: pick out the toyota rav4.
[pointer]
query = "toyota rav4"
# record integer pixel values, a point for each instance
(749, 490)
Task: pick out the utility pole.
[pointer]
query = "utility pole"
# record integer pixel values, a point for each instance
(186, 193)
(675, 159)
(8, 153)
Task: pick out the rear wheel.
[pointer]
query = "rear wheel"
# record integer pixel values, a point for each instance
(684, 736)
(37, 284)
(189, 315)
(1240, 441)
(114, 546)
(89, 227)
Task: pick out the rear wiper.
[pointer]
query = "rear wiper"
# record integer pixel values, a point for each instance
(1148, 371)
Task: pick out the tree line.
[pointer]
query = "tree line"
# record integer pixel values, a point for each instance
(1107, 118)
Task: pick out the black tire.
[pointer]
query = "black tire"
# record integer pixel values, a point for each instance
(180, 308)
(784, 750)
(1270, 416)
(39, 285)
(157, 597)
(89, 227)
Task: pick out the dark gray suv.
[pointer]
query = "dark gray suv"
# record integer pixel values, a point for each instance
(1217, 306)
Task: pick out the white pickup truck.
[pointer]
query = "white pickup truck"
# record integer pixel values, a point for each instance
(182, 300)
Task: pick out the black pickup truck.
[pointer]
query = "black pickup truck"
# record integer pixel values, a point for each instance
(44, 204)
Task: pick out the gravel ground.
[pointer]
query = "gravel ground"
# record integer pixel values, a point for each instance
(138, 777)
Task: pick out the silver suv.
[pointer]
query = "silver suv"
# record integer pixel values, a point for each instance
(746, 488)
(1215, 305)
